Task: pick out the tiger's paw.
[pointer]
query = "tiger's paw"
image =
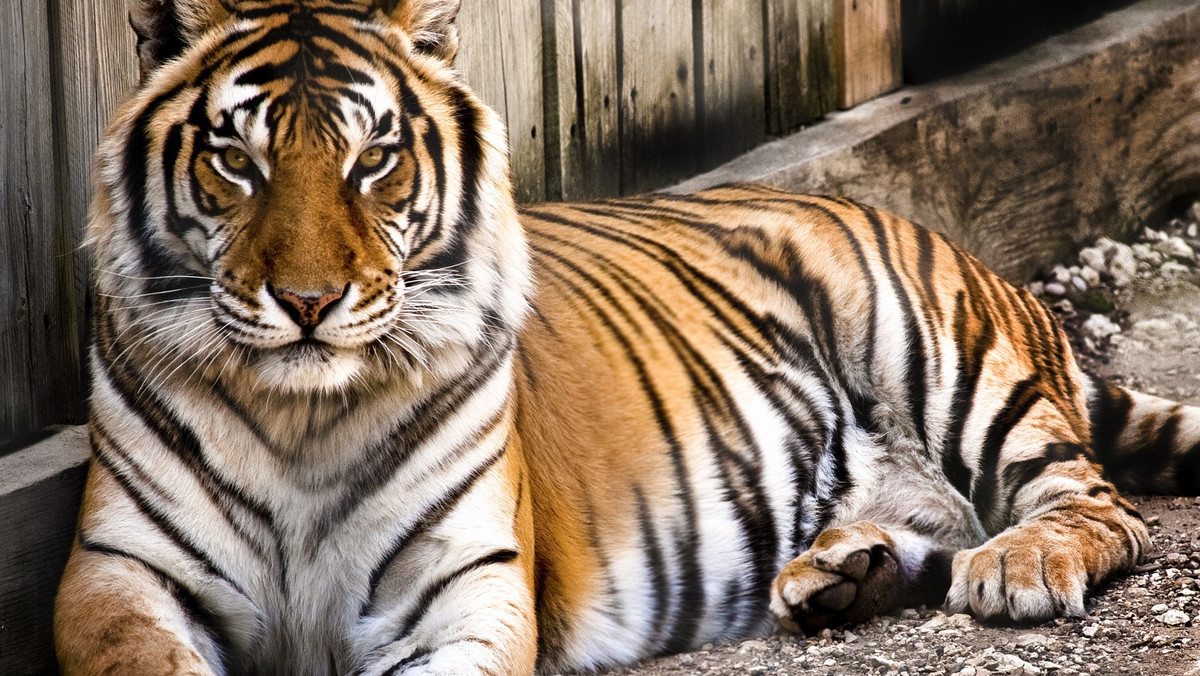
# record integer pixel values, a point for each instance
(845, 577)
(1023, 575)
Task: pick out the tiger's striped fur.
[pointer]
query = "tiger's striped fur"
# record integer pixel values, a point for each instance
(352, 413)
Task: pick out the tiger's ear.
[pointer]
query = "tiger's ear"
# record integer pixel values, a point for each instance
(429, 24)
(167, 27)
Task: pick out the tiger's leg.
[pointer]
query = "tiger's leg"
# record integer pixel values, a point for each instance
(1063, 528)
(852, 573)
(117, 614)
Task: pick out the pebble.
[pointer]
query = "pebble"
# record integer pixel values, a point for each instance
(1090, 276)
(1172, 269)
(1081, 285)
(1175, 247)
(1036, 287)
(1174, 618)
(1056, 289)
(1060, 274)
(1090, 630)
(1093, 258)
(1098, 327)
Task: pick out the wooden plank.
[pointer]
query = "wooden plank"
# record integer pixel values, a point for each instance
(658, 107)
(40, 488)
(38, 347)
(867, 49)
(1007, 161)
(501, 57)
(801, 86)
(581, 99)
(731, 109)
(97, 69)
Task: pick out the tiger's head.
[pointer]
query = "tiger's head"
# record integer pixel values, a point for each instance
(303, 193)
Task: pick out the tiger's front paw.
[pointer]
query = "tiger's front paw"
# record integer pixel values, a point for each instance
(1024, 575)
(846, 576)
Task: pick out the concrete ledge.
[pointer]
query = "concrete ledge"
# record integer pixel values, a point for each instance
(1091, 132)
(40, 488)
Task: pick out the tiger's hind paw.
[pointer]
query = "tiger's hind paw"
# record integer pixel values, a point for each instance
(845, 577)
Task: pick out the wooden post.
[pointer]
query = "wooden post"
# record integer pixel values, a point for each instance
(501, 56)
(800, 81)
(867, 49)
(658, 105)
(582, 99)
(731, 104)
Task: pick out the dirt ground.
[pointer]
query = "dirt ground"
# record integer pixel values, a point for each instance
(1145, 623)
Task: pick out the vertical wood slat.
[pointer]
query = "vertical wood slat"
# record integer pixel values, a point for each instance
(38, 350)
(867, 49)
(97, 69)
(501, 57)
(800, 81)
(658, 106)
(732, 107)
(582, 99)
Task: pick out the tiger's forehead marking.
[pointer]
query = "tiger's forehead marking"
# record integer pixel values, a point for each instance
(303, 74)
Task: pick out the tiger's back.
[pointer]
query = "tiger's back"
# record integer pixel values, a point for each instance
(338, 429)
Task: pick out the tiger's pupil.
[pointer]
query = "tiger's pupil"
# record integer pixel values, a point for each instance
(371, 157)
(236, 159)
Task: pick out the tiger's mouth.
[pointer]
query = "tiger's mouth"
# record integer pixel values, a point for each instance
(308, 365)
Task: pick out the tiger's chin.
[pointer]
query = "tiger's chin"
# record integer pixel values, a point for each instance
(309, 368)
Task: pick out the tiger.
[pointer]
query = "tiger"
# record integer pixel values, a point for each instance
(355, 412)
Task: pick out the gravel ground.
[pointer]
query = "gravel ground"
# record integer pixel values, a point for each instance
(1133, 318)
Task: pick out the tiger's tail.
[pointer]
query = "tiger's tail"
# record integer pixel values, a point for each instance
(1146, 444)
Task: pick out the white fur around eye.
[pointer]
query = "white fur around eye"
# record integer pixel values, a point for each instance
(389, 163)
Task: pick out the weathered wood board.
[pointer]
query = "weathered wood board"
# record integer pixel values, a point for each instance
(658, 93)
(800, 82)
(501, 57)
(39, 338)
(729, 65)
(866, 49)
(40, 488)
(582, 99)
(1089, 133)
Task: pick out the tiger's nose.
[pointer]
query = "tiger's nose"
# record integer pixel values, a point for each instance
(306, 308)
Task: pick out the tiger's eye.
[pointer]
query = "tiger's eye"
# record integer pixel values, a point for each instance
(235, 159)
(371, 157)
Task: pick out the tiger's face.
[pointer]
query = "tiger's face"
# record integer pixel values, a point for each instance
(320, 200)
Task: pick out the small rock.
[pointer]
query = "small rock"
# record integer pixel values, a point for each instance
(757, 670)
(1174, 618)
(849, 637)
(1036, 287)
(1159, 608)
(1175, 247)
(1060, 274)
(1172, 269)
(1093, 259)
(1090, 630)
(1143, 252)
(881, 661)
(1099, 327)
(1056, 289)
(1079, 284)
(1152, 235)
(1122, 265)
(1090, 276)
(1193, 212)
(1032, 639)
